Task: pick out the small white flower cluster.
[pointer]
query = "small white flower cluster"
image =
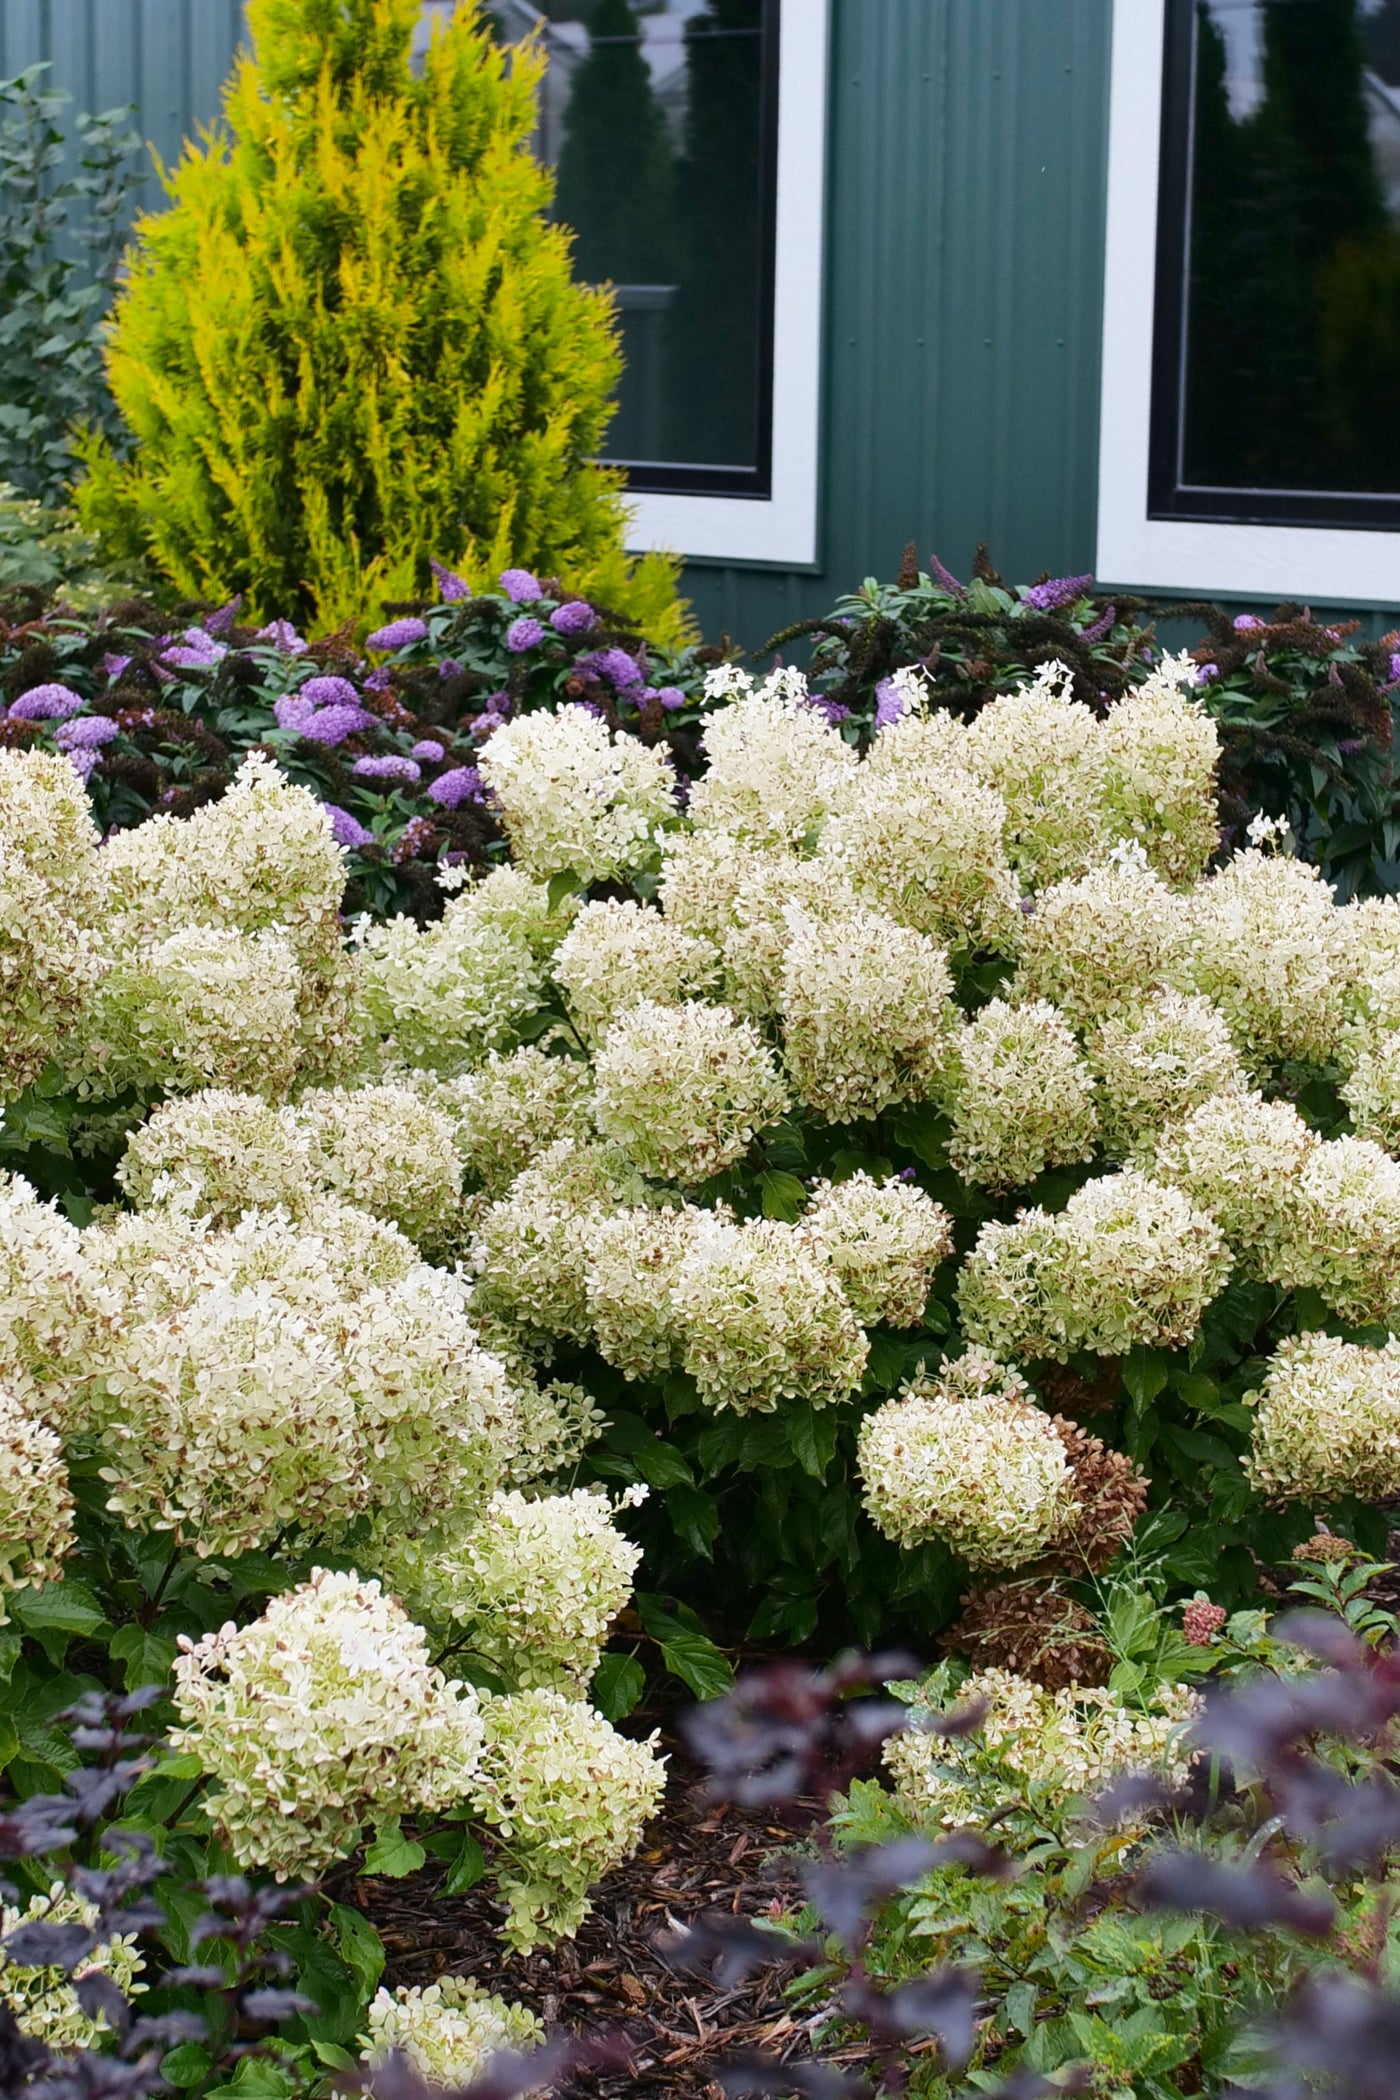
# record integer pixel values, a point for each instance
(569, 1798)
(617, 953)
(1054, 1747)
(576, 798)
(36, 1505)
(683, 1090)
(775, 768)
(319, 1718)
(536, 1582)
(531, 1251)
(510, 1109)
(49, 965)
(1104, 942)
(52, 1314)
(1024, 1100)
(448, 2030)
(1267, 948)
(44, 2002)
(1128, 1261)
(884, 1239)
(924, 844)
(1154, 1066)
(968, 1457)
(868, 1013)
(763, 1318)
(1372, 1091)
(1327, 1421)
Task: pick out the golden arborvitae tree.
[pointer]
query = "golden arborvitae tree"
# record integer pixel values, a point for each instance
(352, 340)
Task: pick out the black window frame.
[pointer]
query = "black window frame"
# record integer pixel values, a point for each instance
(677, 478)
(1169, 495)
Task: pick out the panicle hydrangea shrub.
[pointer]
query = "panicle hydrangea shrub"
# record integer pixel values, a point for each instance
(868, 1014)
(511, 1108)
(1156, 1065)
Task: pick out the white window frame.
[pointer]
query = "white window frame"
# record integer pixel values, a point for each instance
(1323, 564)
(779, 528)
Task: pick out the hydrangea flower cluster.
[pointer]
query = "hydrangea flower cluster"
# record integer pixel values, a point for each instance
(36, 1504)
(1327, 1421)
(617, 953)
(683, 1090)
(577, 798)
(44, 2002)
(448, 2030)
(1024, 1099)
(884, 1239)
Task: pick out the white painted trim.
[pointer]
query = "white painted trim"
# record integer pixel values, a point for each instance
(781, 527)
(1323, 564)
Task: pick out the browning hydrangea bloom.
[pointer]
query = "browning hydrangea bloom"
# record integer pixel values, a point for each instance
(967, 1458)
(511, 1108)
(322, 1716)
(1154, 1066)
(44, 2003)
(532, 1248)
(1029, 1629)
(926, 848)
(1111, 1495)
(1105, 942)
(1327, 1421)
(448, 2030)
(884, 1239)
(569, 1797)
(635, 1258)
(617, 953)
(684, 1090)
(1341, 1233)
(575, 798)
(217, 1153)
(1161, 752)
(1127, 1262)
(535, 1581)
(763, 1318)
(36, 1504)
(868, 1018)
(1267, 948)
(1040, 749)
(388, 1151)
(1372, 1092)
(1238, 1156)
(775, 767)
(1024, 1100)
(702, 875)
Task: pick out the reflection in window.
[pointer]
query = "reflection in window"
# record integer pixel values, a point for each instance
(1277, 379)
(657, 117)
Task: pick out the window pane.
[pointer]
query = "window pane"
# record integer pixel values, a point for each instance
(654, 119)
(1287, 321)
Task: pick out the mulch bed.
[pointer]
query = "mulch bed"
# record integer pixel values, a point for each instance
(698, 1856)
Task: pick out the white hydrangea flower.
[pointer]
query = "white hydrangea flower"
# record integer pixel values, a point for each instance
(43, 2001)
(441, 997)
(968, 1458)
(531, 1250)
(868, 1017)
(921, 740)
(575, 798)
(1267, 948)
(763, 1318)
(925, 847)
(217, 1153)
(1155, 1066)
(53, 1310)
(1042, 750)
(536, 1581)
(617, 953)
(569, 1797)
(1024, 1098)
(46, 823)
(1127, 1262)
(448, 2030)
(684, 1090)
(884, 1239)
(1341, 1234)
(386, 1150)
(507, 1111)
(320, 1717)
(1105, 942)
(1327, 1421)
(1372, 1092)
(634, 1260)
(703, 872)
(36, 1504)
(1161, 752)
(755, 942)
(50, 964)
(1239, 1156)
(775, 766)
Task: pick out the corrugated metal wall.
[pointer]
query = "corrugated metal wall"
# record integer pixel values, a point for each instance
(964, 261)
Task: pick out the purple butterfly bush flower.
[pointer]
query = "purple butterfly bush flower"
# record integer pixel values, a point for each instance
(331, 725)
(946, 578)
(429, 751)
(345, 829)
(889, 703)
(1102, 627)
(1243, 623)
(293, 711)
(194, 650)
(417, 834)
(1395, 667)
(590, 707)
(389, 767)
(1057, 592)
(449, 668)
(621, 670)
(833, 710)
(86, 733)
(520, 586)
(451, 588)
(113, 666)
(280, 634)
(328, 691)
(380, 681)
(670, 696)
(221, 622)
(46, 703)
(82, 763)
(452, 789)
(398, 634)
(1205, 673)
(523, 634)
(575, 617)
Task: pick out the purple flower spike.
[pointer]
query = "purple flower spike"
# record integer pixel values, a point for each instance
(522, 635)
(520, 586)
(113, 666)
(451, 587)
(1395, 667)
(46, 703)
(1102, 626)
(429, 751)
(195, 650)
(889, 705)
(390, 767)
(326, 691)
(576, 617)
(670, 696)
(1060, 590)
(1205, 673)
(449, 668)
(345, 829)
(331, 725)
(946, 578)
(834, 711)
(1243, 622)
(280, 634)
(294, 713)
(379, 681)
(86, 733)
(221, 622)
(398, 634)
(620, 669)
(462, 784)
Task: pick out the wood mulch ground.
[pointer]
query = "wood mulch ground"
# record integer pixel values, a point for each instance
(698, 1856)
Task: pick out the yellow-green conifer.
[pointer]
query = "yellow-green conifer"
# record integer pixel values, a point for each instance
(352, 340)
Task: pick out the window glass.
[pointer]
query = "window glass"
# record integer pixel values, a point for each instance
(1277, 374)
(657, 117)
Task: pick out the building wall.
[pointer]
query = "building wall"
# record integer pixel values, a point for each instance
(966, 203)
